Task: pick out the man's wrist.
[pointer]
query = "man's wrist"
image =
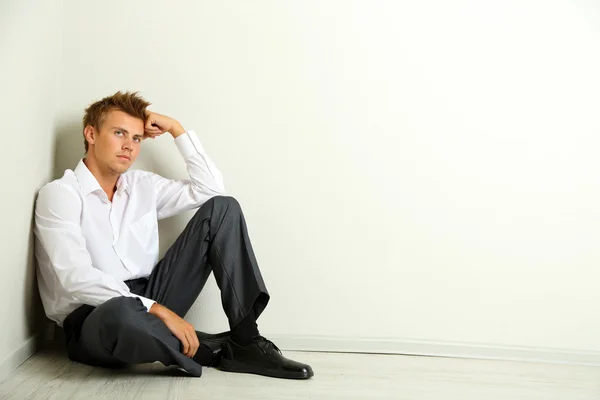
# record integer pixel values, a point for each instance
(157, 310)
(176, 130)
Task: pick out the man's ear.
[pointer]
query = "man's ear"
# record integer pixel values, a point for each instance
(90, 134)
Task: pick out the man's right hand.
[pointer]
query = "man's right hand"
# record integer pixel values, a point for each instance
(183, 330)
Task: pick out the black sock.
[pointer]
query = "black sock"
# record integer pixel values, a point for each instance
(247, 329)
(204, 355)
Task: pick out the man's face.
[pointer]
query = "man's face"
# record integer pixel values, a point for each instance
(117, 143)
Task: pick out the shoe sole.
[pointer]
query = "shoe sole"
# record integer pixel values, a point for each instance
(235, 366)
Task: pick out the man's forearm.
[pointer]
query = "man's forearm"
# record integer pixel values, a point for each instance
(176, 130)
(158, 310)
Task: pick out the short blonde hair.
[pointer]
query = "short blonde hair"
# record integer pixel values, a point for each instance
(128, 102)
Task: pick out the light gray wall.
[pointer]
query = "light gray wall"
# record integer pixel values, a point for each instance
(30, 45)
(409, 170)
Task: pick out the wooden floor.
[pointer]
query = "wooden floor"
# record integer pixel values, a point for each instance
(49, 375)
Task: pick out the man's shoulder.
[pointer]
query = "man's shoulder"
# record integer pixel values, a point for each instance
(65, 185)
(68, 179)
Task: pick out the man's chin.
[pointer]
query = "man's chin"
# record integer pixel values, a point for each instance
(119, 169)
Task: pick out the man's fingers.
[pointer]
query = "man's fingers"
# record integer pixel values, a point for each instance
(152, 134)
(189, 346)
(192, 348)
(154, 130)
(150, 120)
(196, 342)
(185, 345)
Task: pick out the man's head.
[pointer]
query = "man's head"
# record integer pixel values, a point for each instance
(113, 129)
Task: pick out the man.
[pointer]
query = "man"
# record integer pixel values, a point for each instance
(100, 278)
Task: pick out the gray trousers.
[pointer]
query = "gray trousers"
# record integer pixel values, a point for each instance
(121, 331)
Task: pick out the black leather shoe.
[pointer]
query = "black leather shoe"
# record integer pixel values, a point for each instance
(261, 357)
(215, 343)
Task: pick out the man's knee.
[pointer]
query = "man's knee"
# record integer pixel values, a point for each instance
(226, 201)
(117, 313)
(215, 211)
(103, 327)
(220, 203)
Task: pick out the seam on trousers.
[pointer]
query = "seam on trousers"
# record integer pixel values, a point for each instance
(220, 222)
(228, 278)
(219, 253)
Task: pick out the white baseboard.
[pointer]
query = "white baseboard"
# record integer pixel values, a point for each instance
(437, 349)
(18, 357)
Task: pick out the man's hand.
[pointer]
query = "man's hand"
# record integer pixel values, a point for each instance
(183, 330)
(157, 124)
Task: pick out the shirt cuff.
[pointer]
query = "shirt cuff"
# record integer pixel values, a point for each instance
(189, 144)
(147, 302)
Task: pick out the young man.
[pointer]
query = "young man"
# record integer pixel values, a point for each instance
(96, 244)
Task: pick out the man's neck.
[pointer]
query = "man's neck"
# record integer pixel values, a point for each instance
(106, 179)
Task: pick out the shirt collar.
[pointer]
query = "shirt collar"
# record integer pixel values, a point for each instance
(86, 179)
(89, 183)
(122, 184)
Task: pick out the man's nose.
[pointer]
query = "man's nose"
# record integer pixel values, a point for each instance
(128, 144)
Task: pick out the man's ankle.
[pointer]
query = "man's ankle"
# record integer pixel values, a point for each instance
(244, 332)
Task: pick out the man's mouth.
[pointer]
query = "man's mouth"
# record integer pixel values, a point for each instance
(125, 157)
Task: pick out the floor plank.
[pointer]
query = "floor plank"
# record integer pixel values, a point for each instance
(50, 375)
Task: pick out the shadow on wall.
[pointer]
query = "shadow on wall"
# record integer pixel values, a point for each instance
(37, 323)
(68, 147)
(67, 151)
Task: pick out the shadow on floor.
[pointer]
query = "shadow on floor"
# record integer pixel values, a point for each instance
(55, 353)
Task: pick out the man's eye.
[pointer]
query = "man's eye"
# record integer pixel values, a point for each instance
(118, 133)
(137, 139)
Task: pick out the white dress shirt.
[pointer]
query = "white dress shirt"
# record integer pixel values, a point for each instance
(86, 246)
